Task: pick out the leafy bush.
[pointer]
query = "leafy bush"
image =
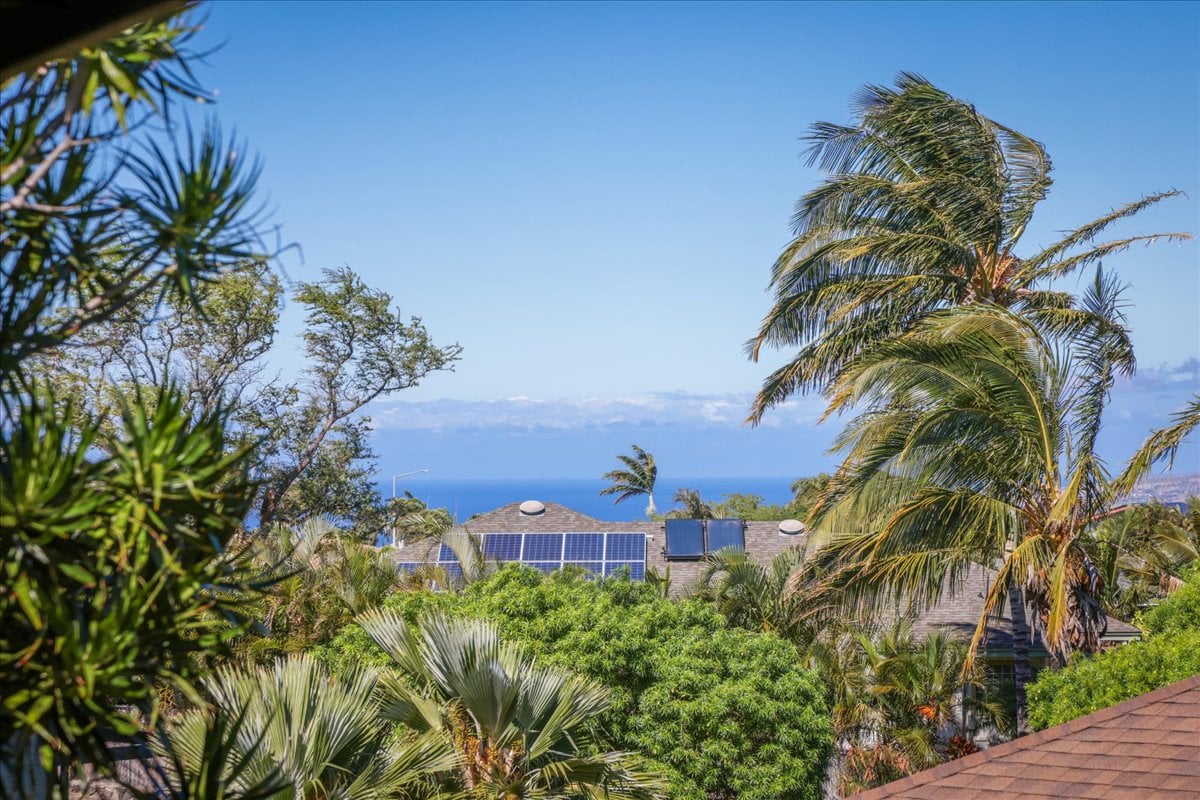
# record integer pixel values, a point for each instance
(1091, 684)
(1170, 653)
(1180, 611)
(725, 713)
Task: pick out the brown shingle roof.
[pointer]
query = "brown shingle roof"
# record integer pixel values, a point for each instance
(1147, 747)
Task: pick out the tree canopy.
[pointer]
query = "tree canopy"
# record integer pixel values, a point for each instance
(725, 713)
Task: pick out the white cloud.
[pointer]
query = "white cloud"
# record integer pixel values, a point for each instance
(1169, 383)
(524, 413)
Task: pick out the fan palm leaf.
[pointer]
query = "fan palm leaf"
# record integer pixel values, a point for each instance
(519, 731)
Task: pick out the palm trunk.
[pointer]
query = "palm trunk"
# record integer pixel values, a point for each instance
(650, 509)
(1022, 669)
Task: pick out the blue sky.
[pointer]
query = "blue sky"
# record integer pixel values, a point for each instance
(588, 197)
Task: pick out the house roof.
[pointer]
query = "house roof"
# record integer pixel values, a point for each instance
(961, 605)
(1147, 747)
(555, 519)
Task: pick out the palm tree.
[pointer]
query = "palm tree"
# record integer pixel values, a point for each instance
(924, 209)
(315, 737)
(636, 479)
(519, 731)
(899, 705)
(692, 505)
(977, 445)
(755, 596)
(1142, 554)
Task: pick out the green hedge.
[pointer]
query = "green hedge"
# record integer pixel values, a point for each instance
(725, 712)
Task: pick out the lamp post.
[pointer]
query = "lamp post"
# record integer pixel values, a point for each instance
(396, 478)
(404, 475)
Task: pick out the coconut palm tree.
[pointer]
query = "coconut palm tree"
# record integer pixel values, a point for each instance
(976, 444)
(636, 479)
(924, 208)
(692, 505)
(519, 731)
(321, 738)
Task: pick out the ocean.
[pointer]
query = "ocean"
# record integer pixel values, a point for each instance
(467, 497)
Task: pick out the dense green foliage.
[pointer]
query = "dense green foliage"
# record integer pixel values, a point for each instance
(1142, 553)
(1178, 612)
(726, 713)
(115, 533)
(516, 730)
(1170, 652)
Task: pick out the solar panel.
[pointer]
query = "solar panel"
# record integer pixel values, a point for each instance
(726, 533)
(685, 538)
(543, 547)
(626, 547)
(584, 547)
(502, 546)
(598, 553)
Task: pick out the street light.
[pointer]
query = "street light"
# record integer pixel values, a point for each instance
(396, 478)
(404, 475)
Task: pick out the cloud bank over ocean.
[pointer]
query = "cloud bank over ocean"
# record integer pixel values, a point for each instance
(1166, 383)
(691, 434)
(525, 413)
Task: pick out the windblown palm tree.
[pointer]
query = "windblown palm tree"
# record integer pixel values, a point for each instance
(519, 731)
(924, 209)
(314, 737)
(636, 479)
(976, 444)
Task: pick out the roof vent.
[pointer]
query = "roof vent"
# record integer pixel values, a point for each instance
(791, 527)
(532, 508)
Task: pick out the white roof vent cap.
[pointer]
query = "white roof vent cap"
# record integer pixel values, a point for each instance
(791, 527)
(532, 508)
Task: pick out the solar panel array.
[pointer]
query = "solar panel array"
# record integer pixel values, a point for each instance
(598, 553)
(691, 539)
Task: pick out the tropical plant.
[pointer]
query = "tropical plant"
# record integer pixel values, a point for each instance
(976, 444)
(692, 505)
(518, 730)
(756, 596)
(925, 207)
(721, 712)
(636, 479)
(320, 577)
(120, 573)
(900, 705)
(321, 737)
(1142, 553)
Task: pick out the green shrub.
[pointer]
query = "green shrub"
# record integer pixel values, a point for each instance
(726, 713)
(1180, 611)
(1090, 684)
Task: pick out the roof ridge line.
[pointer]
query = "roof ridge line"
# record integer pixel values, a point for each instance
(1030, 740)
